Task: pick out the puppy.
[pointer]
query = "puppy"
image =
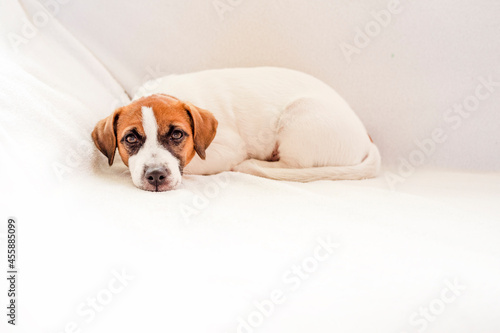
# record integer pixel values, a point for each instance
(269, 122)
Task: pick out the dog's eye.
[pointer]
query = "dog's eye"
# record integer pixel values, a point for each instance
(177, 135)
(131, 138)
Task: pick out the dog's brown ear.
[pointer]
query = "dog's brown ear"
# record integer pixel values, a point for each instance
(104, 135)
(204, 126)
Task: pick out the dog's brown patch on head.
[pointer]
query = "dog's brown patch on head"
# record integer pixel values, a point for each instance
(183, 129)
(129, 124)
(174, 128)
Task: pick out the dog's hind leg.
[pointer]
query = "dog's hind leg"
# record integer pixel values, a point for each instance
(318, 139)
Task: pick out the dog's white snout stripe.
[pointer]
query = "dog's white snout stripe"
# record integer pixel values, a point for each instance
(150, 127)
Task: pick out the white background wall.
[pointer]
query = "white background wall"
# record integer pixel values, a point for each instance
(430, 57)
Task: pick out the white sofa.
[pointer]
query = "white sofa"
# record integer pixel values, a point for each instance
(413, 250)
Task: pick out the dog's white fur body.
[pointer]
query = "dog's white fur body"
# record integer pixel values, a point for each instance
(316, 133)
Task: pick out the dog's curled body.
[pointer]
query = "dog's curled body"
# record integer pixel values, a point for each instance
(316, 133)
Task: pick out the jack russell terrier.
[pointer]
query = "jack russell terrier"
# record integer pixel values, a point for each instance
(269, 122)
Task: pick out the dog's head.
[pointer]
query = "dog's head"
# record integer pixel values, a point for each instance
(156, 136)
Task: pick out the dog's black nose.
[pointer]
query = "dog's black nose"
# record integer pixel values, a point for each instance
(156, 176)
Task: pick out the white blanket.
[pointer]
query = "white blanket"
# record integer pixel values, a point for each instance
(225, 253)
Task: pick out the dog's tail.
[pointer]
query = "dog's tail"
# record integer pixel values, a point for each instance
(368, 168)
